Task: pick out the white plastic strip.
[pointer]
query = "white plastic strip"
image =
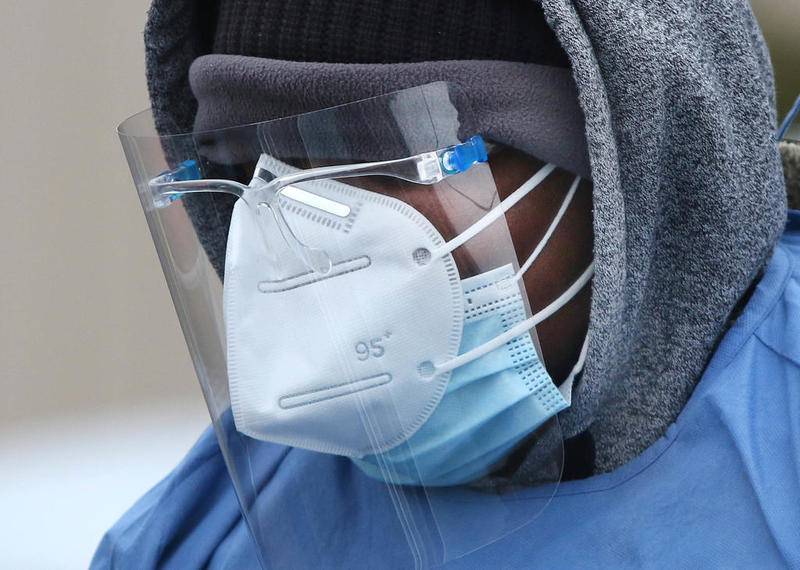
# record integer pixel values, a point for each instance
(309, 277)
(518, 329)
(550, 230)
(495, 213)
(316, 201)
(566, 386)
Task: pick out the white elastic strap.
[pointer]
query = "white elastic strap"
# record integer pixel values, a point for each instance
(496, 213)
(566, 385)
(550, 230)
(519, 328)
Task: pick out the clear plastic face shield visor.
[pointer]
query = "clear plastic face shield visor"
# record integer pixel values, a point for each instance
(369, 320)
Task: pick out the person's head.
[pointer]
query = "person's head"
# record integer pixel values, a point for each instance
(515, 230)
(481, 36)
(676, 221)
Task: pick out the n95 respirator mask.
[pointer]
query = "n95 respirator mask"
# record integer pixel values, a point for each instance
(357, 359)
(314, 356)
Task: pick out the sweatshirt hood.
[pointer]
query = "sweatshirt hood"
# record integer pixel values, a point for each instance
(671, 112)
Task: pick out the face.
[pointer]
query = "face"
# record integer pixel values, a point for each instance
(566, 256)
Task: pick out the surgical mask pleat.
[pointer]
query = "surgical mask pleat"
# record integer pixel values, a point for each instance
(495, 361)
(518, 423)
(486, 398)
(491, 403)
(451, 456)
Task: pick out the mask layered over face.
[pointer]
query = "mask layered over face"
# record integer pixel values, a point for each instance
(434, 386)
(332, 361)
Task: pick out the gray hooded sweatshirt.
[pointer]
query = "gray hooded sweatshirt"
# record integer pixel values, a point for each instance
(668, 105)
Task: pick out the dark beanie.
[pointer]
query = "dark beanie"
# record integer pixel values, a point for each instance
(386, 31)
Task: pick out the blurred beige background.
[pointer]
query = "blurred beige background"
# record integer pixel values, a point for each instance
(87, 319)
(99, 397)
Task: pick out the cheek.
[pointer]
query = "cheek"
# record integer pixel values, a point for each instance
(567, 253)
(564, 259)
(569, 249)
(561, 336)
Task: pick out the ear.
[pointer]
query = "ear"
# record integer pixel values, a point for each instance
(790, 151)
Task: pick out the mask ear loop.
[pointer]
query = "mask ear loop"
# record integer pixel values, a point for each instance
(550, 230)
(520, 328)
(566, 386)
(495, 214)
(526, 325)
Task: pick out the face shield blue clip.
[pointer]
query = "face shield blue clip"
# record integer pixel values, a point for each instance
(186, 170)
(461, 157)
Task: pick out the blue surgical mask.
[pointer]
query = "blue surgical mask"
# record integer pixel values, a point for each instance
(491, 404)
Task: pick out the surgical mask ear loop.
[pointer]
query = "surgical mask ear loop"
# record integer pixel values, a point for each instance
(566, 386)
(545, 313)
(550, 230)
(519, 329)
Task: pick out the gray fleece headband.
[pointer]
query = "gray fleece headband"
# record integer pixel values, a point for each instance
(531, 107)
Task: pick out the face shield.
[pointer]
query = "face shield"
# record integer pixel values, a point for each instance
(370, 307)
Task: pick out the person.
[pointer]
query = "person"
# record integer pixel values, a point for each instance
(679, 365)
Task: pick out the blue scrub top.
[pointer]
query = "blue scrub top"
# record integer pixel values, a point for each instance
(720, 489)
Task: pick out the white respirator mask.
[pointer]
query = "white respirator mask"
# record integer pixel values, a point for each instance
(354, 360)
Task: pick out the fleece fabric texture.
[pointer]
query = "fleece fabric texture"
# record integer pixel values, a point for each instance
(689, 195)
